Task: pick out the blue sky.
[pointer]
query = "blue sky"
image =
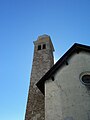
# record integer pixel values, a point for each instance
(21, 22)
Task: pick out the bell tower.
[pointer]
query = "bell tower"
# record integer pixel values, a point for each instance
(43, 60)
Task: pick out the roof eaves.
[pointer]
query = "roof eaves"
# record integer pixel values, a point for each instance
(75, 48)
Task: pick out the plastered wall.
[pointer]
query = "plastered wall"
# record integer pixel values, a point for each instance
(66, 98)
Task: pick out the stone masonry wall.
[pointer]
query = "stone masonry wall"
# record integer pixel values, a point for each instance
(42, 62)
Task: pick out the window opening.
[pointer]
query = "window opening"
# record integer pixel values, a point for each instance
(39, 47)
(44, 46)
(86, 79)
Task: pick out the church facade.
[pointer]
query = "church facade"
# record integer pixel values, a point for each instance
(65, 85)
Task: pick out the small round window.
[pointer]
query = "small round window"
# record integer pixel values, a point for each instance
(85, 78)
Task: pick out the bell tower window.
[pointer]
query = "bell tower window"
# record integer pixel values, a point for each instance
(39, 47)
(44, 46)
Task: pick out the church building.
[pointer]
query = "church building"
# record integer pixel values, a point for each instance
(59, 91)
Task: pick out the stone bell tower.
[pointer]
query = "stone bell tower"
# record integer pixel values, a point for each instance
(43, 60)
